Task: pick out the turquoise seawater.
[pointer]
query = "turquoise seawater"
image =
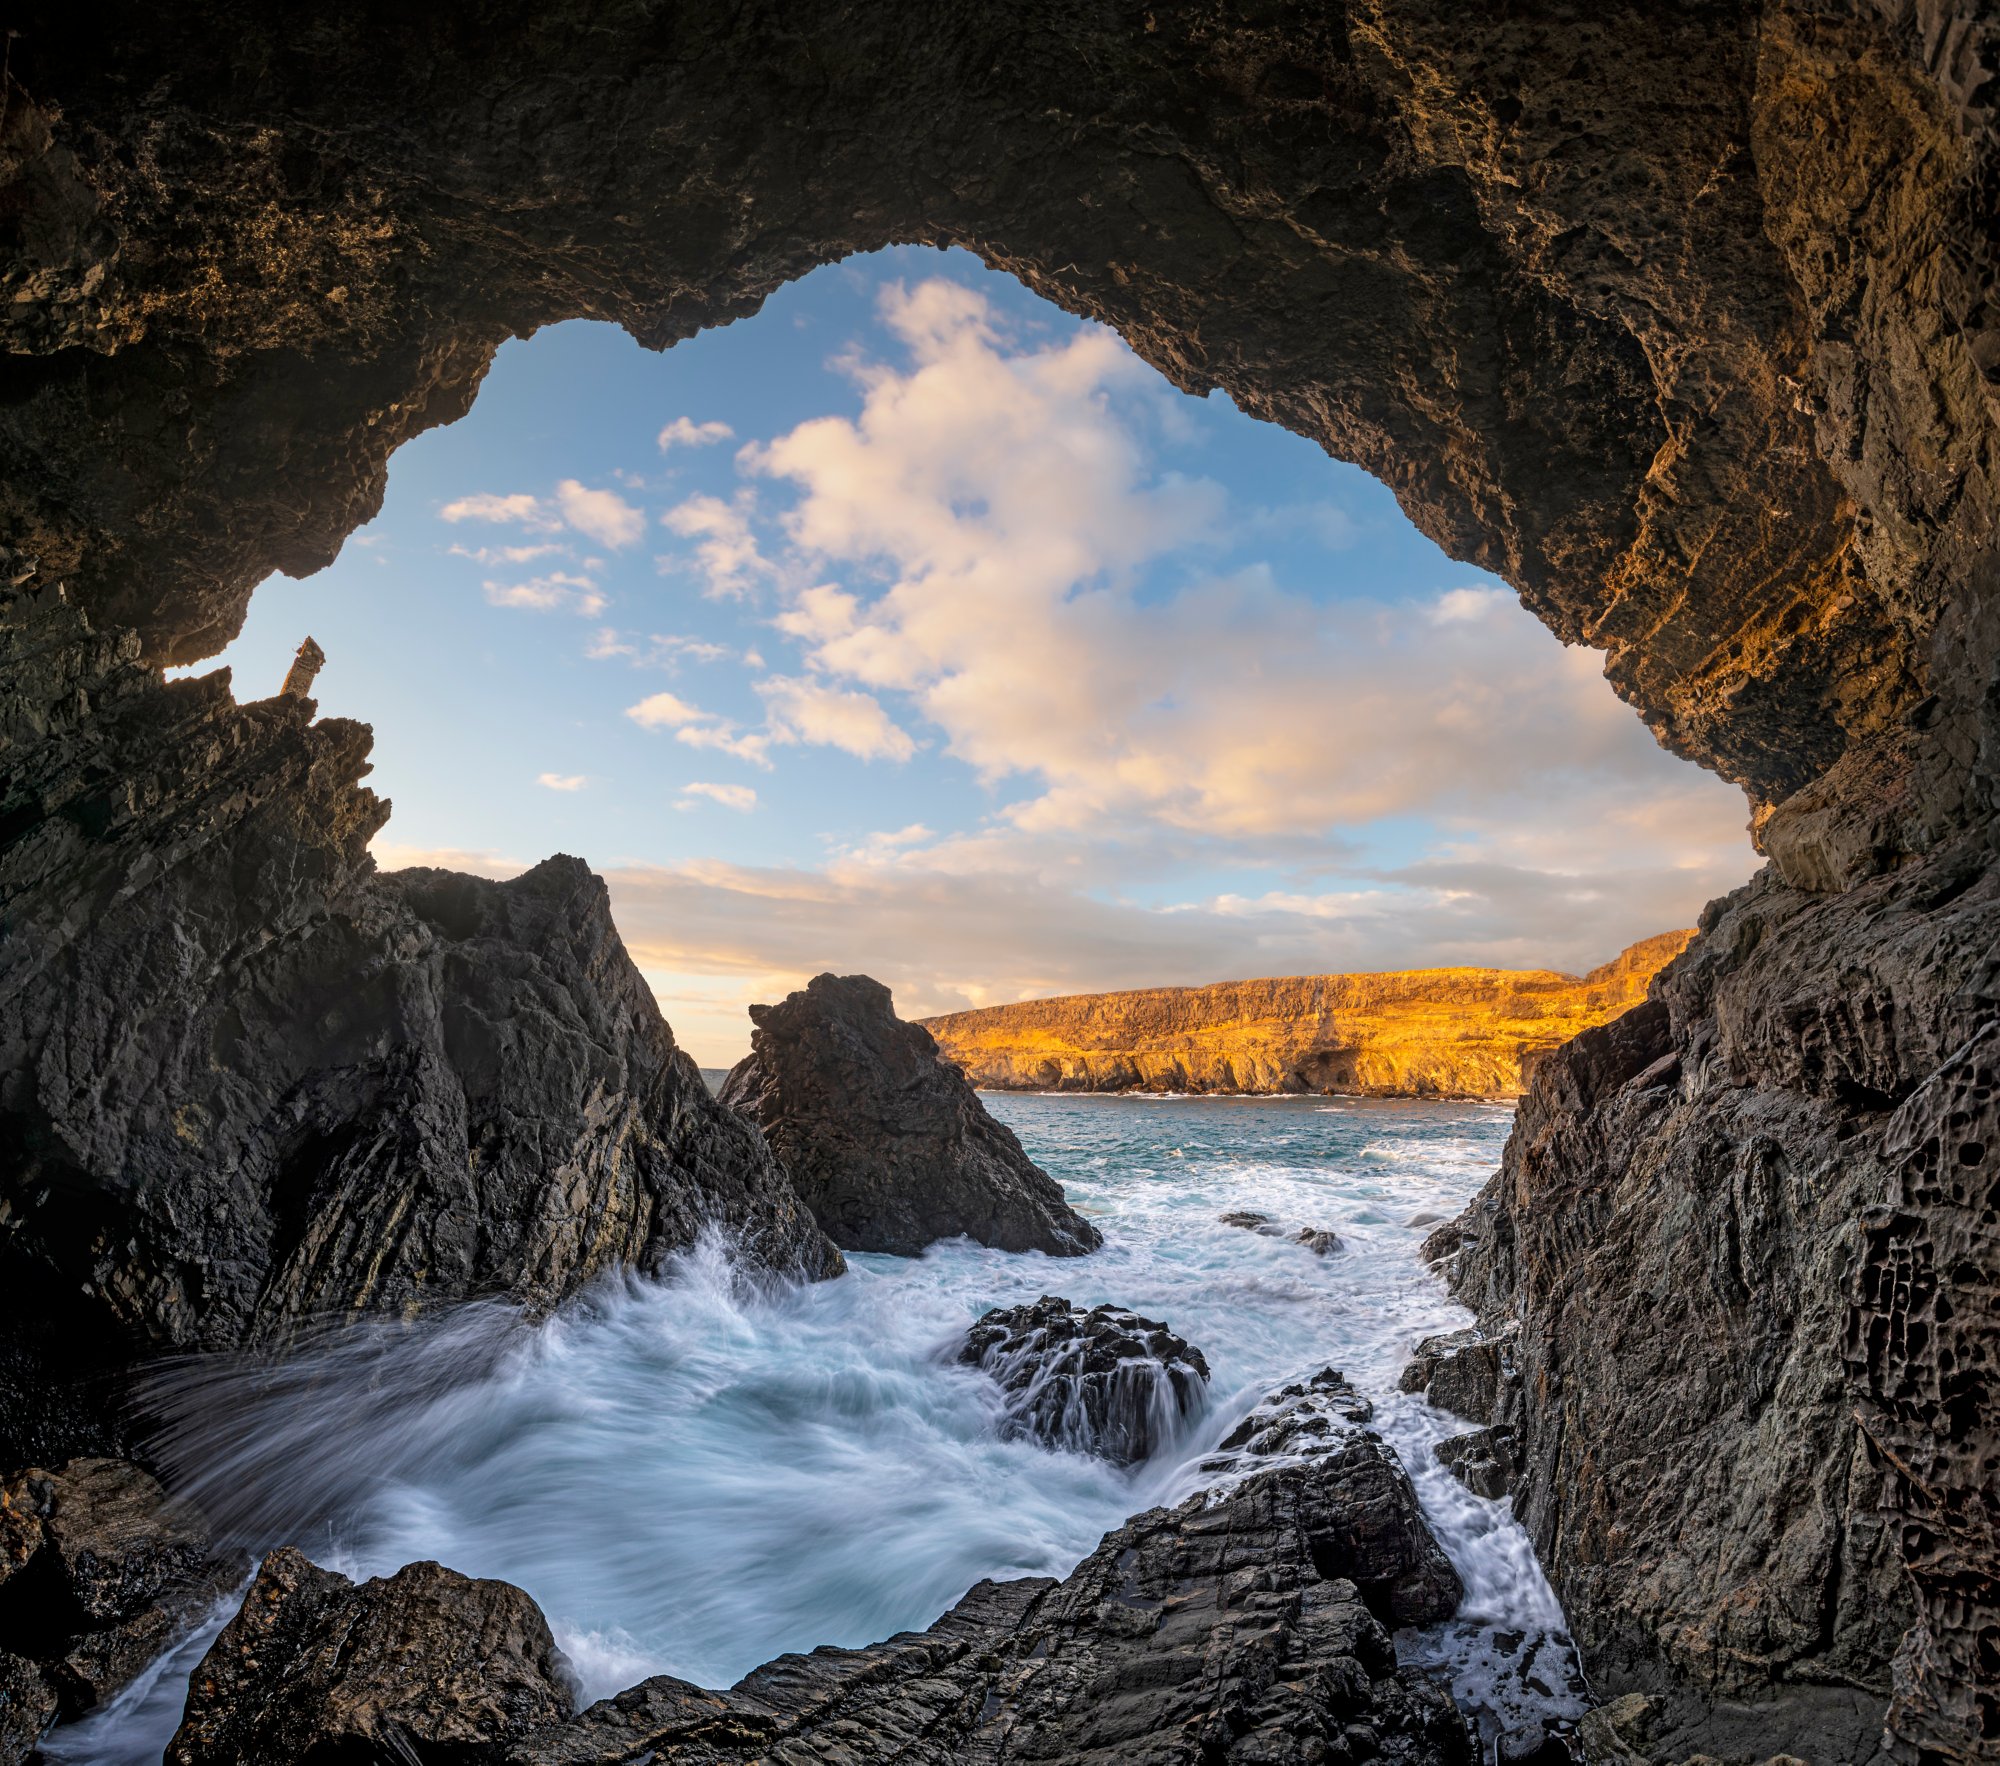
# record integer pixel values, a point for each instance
(695, 1473)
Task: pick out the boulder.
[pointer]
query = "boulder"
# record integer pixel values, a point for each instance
(1464, 1372)
(423, 1665)
(99, 1572)
(885, 1141)
(1106, 1381)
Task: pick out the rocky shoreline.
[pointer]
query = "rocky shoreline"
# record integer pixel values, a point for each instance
(1684, 320)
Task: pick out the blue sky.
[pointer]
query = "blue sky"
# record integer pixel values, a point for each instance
(914, 627)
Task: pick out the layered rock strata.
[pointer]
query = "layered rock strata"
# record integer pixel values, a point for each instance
(248, 1080)
(1105, 1382)
(1417, 1033)
(1685, 320)
(883, 1138)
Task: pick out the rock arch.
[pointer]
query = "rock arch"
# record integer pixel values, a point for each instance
(1683, 320)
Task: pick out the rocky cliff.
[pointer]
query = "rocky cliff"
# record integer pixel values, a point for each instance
(247, 1080)
(1685, 320)
(1413, 1033)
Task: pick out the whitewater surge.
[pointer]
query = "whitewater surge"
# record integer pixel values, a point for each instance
(694, 1474)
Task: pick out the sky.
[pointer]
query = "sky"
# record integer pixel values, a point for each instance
(915, 628)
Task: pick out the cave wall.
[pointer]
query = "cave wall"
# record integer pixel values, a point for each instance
(1682, 319)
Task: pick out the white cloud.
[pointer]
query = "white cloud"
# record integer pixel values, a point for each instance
(562, 781)
(666, 711)
(492, 555)
(684, 432)
(726, 738)
(736, 797)
(726, 552)
(557, 590)
(490, 506)
(604, 515)
(809, 711)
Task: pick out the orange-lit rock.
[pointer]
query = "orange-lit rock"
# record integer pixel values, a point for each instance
(1411, 1032)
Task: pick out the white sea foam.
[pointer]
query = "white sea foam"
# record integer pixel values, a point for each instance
(694, 1474)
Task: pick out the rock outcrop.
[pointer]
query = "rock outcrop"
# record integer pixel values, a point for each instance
(1685, 320)
(1106, 1381)
(99, 1573)
(246, 1079)
(422, 1665)
(1417, 1033)
(1246, 1629)
(882, 1137)
(1747, 1235)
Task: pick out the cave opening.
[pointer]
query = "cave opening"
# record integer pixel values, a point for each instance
(916, 627)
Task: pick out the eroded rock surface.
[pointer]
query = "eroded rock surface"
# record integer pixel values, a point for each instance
(422, 1665)
(1747, 1231)
(886, 1142)
(1106, 1381)
(1418, 1033)
(1226, 1632)
(246, 1079)
(99, 1572)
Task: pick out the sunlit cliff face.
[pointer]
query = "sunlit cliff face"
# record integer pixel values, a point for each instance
(916, 628)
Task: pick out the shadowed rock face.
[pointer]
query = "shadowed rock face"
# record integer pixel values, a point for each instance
(1682, 318)
(1420, 1032)
(246, 1080)
(883, 1138)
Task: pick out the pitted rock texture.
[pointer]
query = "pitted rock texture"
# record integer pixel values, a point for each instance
(423, 1665)
(1231, 1631)
(246, 1079)
(1747, 1231)
(1105, 1382)
(99, 1572)
(1417, 1033)
(882, 1137)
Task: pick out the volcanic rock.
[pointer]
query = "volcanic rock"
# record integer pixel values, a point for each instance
(99, 1572)
(1421, 1033)
(885, 1141)
(1106, 1381)
(1685, 321)
(425, 1664)
(1230, 1629)
(247, 1080)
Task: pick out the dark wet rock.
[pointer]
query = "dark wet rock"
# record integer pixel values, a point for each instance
(28, 1705)
(1467, 1373)
(422, 1665)
(99, 1572)
(1106, 1381)
(1377, 1526)
(246, 1079)
(1482, 1461)
(1251, 1222)
(1219, 1630)
(1320, 1241)
(883, 1138)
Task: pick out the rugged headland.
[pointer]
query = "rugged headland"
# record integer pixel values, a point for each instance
(1404, 1033)
(1683, 320)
